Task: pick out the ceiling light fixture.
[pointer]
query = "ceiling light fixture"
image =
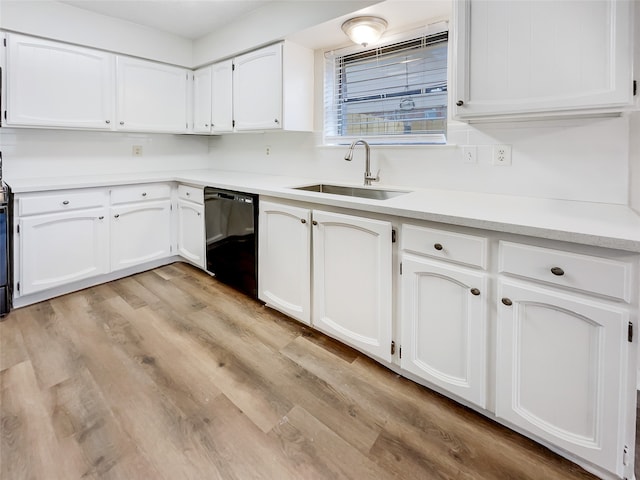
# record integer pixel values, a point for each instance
(364, 30)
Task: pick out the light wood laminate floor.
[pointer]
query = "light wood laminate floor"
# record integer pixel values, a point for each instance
(170, 375)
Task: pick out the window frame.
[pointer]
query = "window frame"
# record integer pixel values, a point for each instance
(330, 105)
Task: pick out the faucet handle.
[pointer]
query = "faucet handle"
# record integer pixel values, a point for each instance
(369, 178)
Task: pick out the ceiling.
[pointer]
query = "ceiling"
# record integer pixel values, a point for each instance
(193, 19)
(186, 18)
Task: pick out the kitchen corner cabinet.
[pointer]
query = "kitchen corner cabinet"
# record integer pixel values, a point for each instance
(352, 281)
(213, 100)
(530, 58)
(191, 225)
(140, 224)
(444, 312)
(284, 259)
(61, 238)
(273, 89)
(151, 97)
(52, 84)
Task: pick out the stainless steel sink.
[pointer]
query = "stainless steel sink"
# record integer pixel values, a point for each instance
(362, 192)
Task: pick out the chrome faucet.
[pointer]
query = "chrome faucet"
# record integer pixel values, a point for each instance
(368, 177)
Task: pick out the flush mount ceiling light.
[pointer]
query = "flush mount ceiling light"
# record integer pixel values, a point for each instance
(364, 30)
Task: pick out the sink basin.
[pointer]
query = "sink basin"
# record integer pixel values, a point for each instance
(362, 192)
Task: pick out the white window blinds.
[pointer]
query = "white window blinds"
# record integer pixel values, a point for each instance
(395, 93)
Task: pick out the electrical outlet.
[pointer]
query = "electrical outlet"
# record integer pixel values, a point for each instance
(136, 150)
(502, 155)
(469, 154)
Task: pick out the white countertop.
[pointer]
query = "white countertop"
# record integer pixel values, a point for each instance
(603, 225)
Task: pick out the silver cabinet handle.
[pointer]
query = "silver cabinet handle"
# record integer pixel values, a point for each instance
(302, 220)
(507, 301)
(144, 194)
(121, 123)
(66, 202)
(313, 222)
(188, 194)
(475, 291)
(116, 215)
(199, 214)
(276, 120)
(438, 246)
(107, 121)
(557, 271)
(101, 217)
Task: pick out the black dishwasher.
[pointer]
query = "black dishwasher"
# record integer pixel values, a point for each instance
(231, 226)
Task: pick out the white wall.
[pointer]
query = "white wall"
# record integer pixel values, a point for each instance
(45, 153)
(574, 160)
(275, 21)
(59, 21)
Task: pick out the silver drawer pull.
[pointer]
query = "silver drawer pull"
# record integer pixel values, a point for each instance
(188, 194)
(116, 215)
(438, 246)
(302, 220)
(144, 194)
(507, 301)
(475, 291)
(101, 217)
(66, 202)
(557, 271)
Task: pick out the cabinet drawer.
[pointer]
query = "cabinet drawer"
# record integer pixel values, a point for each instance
(598, 275)
(61, 201)
(139, 193)
(455, 247)
(193, 194)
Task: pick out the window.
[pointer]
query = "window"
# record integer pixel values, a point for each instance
(390, 94)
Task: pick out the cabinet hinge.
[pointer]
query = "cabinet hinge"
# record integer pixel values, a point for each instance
(18, 228)
(630, 333)
(400, 268)
(393, 235)
(625, 455)
(233, 67)
(393, 347)
(18, 286)
(400, 352)
(5, 114)
(635, 88)
(5, 42)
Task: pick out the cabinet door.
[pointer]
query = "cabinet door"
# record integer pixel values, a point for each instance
(444, 322)
(61, 248)
(222, 97)
(151, 96)
(140, 233)
(257, 89)
(561, 369)
(202, 100)
(352, 281)
(52, 84)
(284, 259)
(191, 243)
(531, 57)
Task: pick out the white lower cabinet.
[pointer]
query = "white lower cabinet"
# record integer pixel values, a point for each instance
(60, 248)
(352, 283)
(284, 259)
(140, 233)
(444, 325)
(191, 242)
(561, 363)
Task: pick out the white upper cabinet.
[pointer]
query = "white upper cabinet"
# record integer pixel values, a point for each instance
(202, 100)
(151, 96)
(222, 97)
(273, 89)
(258, 89)
(52, 84)
(532, 58)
